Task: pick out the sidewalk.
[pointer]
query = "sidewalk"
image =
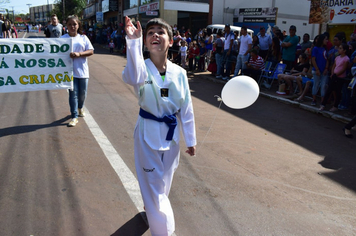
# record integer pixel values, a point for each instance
(271, 94)
(287, 99)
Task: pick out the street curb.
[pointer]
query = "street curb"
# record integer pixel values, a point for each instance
(315, 110)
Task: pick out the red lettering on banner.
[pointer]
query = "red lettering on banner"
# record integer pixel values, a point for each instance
(346, 11)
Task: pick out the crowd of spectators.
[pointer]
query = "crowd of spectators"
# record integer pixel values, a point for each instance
(321, 68)
(7, 28)
(112, 35)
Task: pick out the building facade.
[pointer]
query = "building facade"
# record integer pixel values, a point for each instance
(289, 12)
(193, 14)
(196, 14)
(41, 14)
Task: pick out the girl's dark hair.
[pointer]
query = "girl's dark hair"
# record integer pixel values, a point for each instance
(209, 31)
(327, 34)
(162, 23)
(304, 56)
(315, 39)
(320, 40)
(353, 45)
(341, 36)
(75, 18)
(345, 47)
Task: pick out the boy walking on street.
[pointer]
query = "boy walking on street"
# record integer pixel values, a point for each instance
(163, 93)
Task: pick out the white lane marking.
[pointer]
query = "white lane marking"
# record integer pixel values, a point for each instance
(127, 178)
(24, 36)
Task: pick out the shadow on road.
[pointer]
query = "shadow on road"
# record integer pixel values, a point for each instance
(344, 172)
(31, 128)
(134, 227)
(314, 132)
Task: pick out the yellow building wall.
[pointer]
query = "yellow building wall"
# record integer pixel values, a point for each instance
(170, 16)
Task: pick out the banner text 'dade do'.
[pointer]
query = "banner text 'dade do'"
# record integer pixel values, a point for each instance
(35, 64)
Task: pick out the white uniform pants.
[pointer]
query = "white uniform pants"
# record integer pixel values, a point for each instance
(155, 171)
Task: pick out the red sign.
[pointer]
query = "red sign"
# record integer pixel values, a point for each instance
(149, 7)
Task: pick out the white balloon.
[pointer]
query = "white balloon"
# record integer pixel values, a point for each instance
(240, 92)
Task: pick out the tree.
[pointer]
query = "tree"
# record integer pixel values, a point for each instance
(72, 7)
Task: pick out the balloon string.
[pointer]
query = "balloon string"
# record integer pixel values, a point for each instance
(212, 123)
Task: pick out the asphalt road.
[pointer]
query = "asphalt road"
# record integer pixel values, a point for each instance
(270, 169)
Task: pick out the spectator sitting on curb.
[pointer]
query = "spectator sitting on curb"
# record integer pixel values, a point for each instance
(308, 81)
(300, 69)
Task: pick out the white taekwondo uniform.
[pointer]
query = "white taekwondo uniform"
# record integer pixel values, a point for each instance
(156, 158)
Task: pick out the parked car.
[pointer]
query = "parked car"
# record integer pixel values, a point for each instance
(216, 27)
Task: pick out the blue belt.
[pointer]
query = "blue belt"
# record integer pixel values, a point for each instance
(170, 120)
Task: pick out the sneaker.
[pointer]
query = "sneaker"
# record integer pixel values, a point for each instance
(342, 108)
(219, 77)
(321, 108)
(313, 103)
(226, 78)
(333, 109)
(81, 112)
(266, 85)
(298, 100)
(73, 122)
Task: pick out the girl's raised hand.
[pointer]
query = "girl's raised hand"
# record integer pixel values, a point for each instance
(131, 31)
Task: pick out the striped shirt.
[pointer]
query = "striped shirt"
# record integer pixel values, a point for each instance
(258, 63)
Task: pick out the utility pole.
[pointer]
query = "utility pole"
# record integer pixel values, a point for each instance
(29, 6)
(64, 9)
(48, 14)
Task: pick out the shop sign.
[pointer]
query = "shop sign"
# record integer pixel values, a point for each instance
(113, 5)
(99, 17)
(257, 15)
(105, 6)
(149, 7)
(90, 11)
(151, 13)
(332, 11)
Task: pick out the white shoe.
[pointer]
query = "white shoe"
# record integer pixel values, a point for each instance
(266, 85)
(81, 112)
(73, 122)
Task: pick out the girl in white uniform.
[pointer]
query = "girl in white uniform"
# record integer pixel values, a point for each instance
(163, 93)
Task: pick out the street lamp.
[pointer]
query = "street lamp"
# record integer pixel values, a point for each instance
(29, 6)
(47, 11)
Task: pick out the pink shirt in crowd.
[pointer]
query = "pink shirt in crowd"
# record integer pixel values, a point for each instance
(339, 63)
